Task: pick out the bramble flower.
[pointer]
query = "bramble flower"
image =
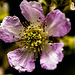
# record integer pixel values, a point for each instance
(36, 38)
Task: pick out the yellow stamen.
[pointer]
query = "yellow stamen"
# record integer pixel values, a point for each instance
(34, 51)
(46, 32)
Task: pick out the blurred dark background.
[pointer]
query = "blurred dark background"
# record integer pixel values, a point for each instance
(66, 67)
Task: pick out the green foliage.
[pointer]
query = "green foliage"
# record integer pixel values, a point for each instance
(69, 45)
(3, 10)
(50, 5)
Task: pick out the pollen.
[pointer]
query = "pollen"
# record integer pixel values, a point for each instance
(50, 44)
(46, 32)
(34, 39)
(32, 56)
(34, 50)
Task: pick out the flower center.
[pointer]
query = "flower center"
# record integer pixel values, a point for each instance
(35, 38)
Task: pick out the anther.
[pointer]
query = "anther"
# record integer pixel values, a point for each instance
(50, 44)
(32, 56)
(34, 51)
(46, 32)
(26, 46)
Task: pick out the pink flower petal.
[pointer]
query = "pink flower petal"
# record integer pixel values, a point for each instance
(51, 56)
(36, 5)
(10, 29)
(21, 60)
(32, 11)
(57, 24)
